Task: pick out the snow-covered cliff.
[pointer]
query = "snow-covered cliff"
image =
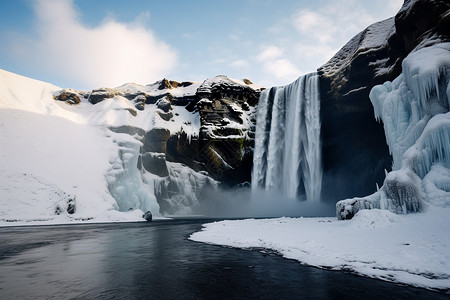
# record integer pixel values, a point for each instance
(113, 153)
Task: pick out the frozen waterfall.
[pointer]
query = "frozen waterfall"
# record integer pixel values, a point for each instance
(287, 154)
(415, 110)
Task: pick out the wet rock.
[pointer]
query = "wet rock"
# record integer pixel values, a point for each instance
(71, 206)
(148, 216)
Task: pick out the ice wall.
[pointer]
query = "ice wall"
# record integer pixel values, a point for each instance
(287, 155)
(133, 187)
(125, 182)
(414, 109)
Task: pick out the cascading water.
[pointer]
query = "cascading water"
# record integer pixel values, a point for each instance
(287, 154)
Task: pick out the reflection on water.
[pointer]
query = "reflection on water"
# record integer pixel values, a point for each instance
(155, 260)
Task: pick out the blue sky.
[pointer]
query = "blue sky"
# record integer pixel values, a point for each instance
(85, 44)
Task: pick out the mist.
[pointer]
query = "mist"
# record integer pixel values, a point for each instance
(245, 202)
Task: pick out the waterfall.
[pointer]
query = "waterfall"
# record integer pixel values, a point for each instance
(287, 154)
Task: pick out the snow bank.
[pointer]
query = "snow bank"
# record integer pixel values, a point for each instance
(411, 249)
(47, 162)
(414, 109)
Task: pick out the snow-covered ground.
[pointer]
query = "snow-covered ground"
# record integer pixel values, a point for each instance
(50, 157)
(412, 249)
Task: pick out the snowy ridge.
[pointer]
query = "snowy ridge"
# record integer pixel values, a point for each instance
(209, 84)
(155, 89)
(117, 110)
(414, 109)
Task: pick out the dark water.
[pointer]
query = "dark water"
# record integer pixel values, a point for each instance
(156, 261)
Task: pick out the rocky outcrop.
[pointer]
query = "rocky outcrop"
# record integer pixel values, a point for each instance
(226, 139)
(68, 96)
(355, 153)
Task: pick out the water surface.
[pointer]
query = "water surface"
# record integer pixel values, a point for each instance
(157, 261)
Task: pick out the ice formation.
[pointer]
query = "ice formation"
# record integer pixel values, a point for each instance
(414, 109)
(287, 152)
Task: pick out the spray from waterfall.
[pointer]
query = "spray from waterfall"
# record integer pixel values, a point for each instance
(287, 155)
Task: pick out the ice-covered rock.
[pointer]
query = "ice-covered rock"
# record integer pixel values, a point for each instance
(355, 161)
(414, 109)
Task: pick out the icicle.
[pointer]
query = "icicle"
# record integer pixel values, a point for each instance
(414, 109)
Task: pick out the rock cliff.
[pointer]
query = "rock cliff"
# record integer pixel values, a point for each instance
(186, 136)
(355, 152)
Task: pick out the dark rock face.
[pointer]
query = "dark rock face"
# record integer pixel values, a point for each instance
(156, 140)
(227, 151)
(155, 163)
(184, 150)
(355, 152)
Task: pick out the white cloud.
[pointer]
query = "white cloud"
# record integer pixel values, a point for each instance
(276, 64)
(309, 22)
(282, 68)
(240, 63)
(107, 55)
(311, 34)
(394, 5)
(270, 52)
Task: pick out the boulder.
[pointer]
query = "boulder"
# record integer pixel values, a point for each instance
(68, 96)
(71, 206)
(164, 105)
(165, 116)
(99, 95)
(168, 84)
(148, 216)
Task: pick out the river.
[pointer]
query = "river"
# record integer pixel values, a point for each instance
(156, 261)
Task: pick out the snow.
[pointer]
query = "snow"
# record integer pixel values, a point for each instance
(410, 249)
(221, 80)
(41, 170)
(54, 155)
(115, 112)
(152, 89)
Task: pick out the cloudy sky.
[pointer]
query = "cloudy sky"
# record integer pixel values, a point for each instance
(86, 44)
